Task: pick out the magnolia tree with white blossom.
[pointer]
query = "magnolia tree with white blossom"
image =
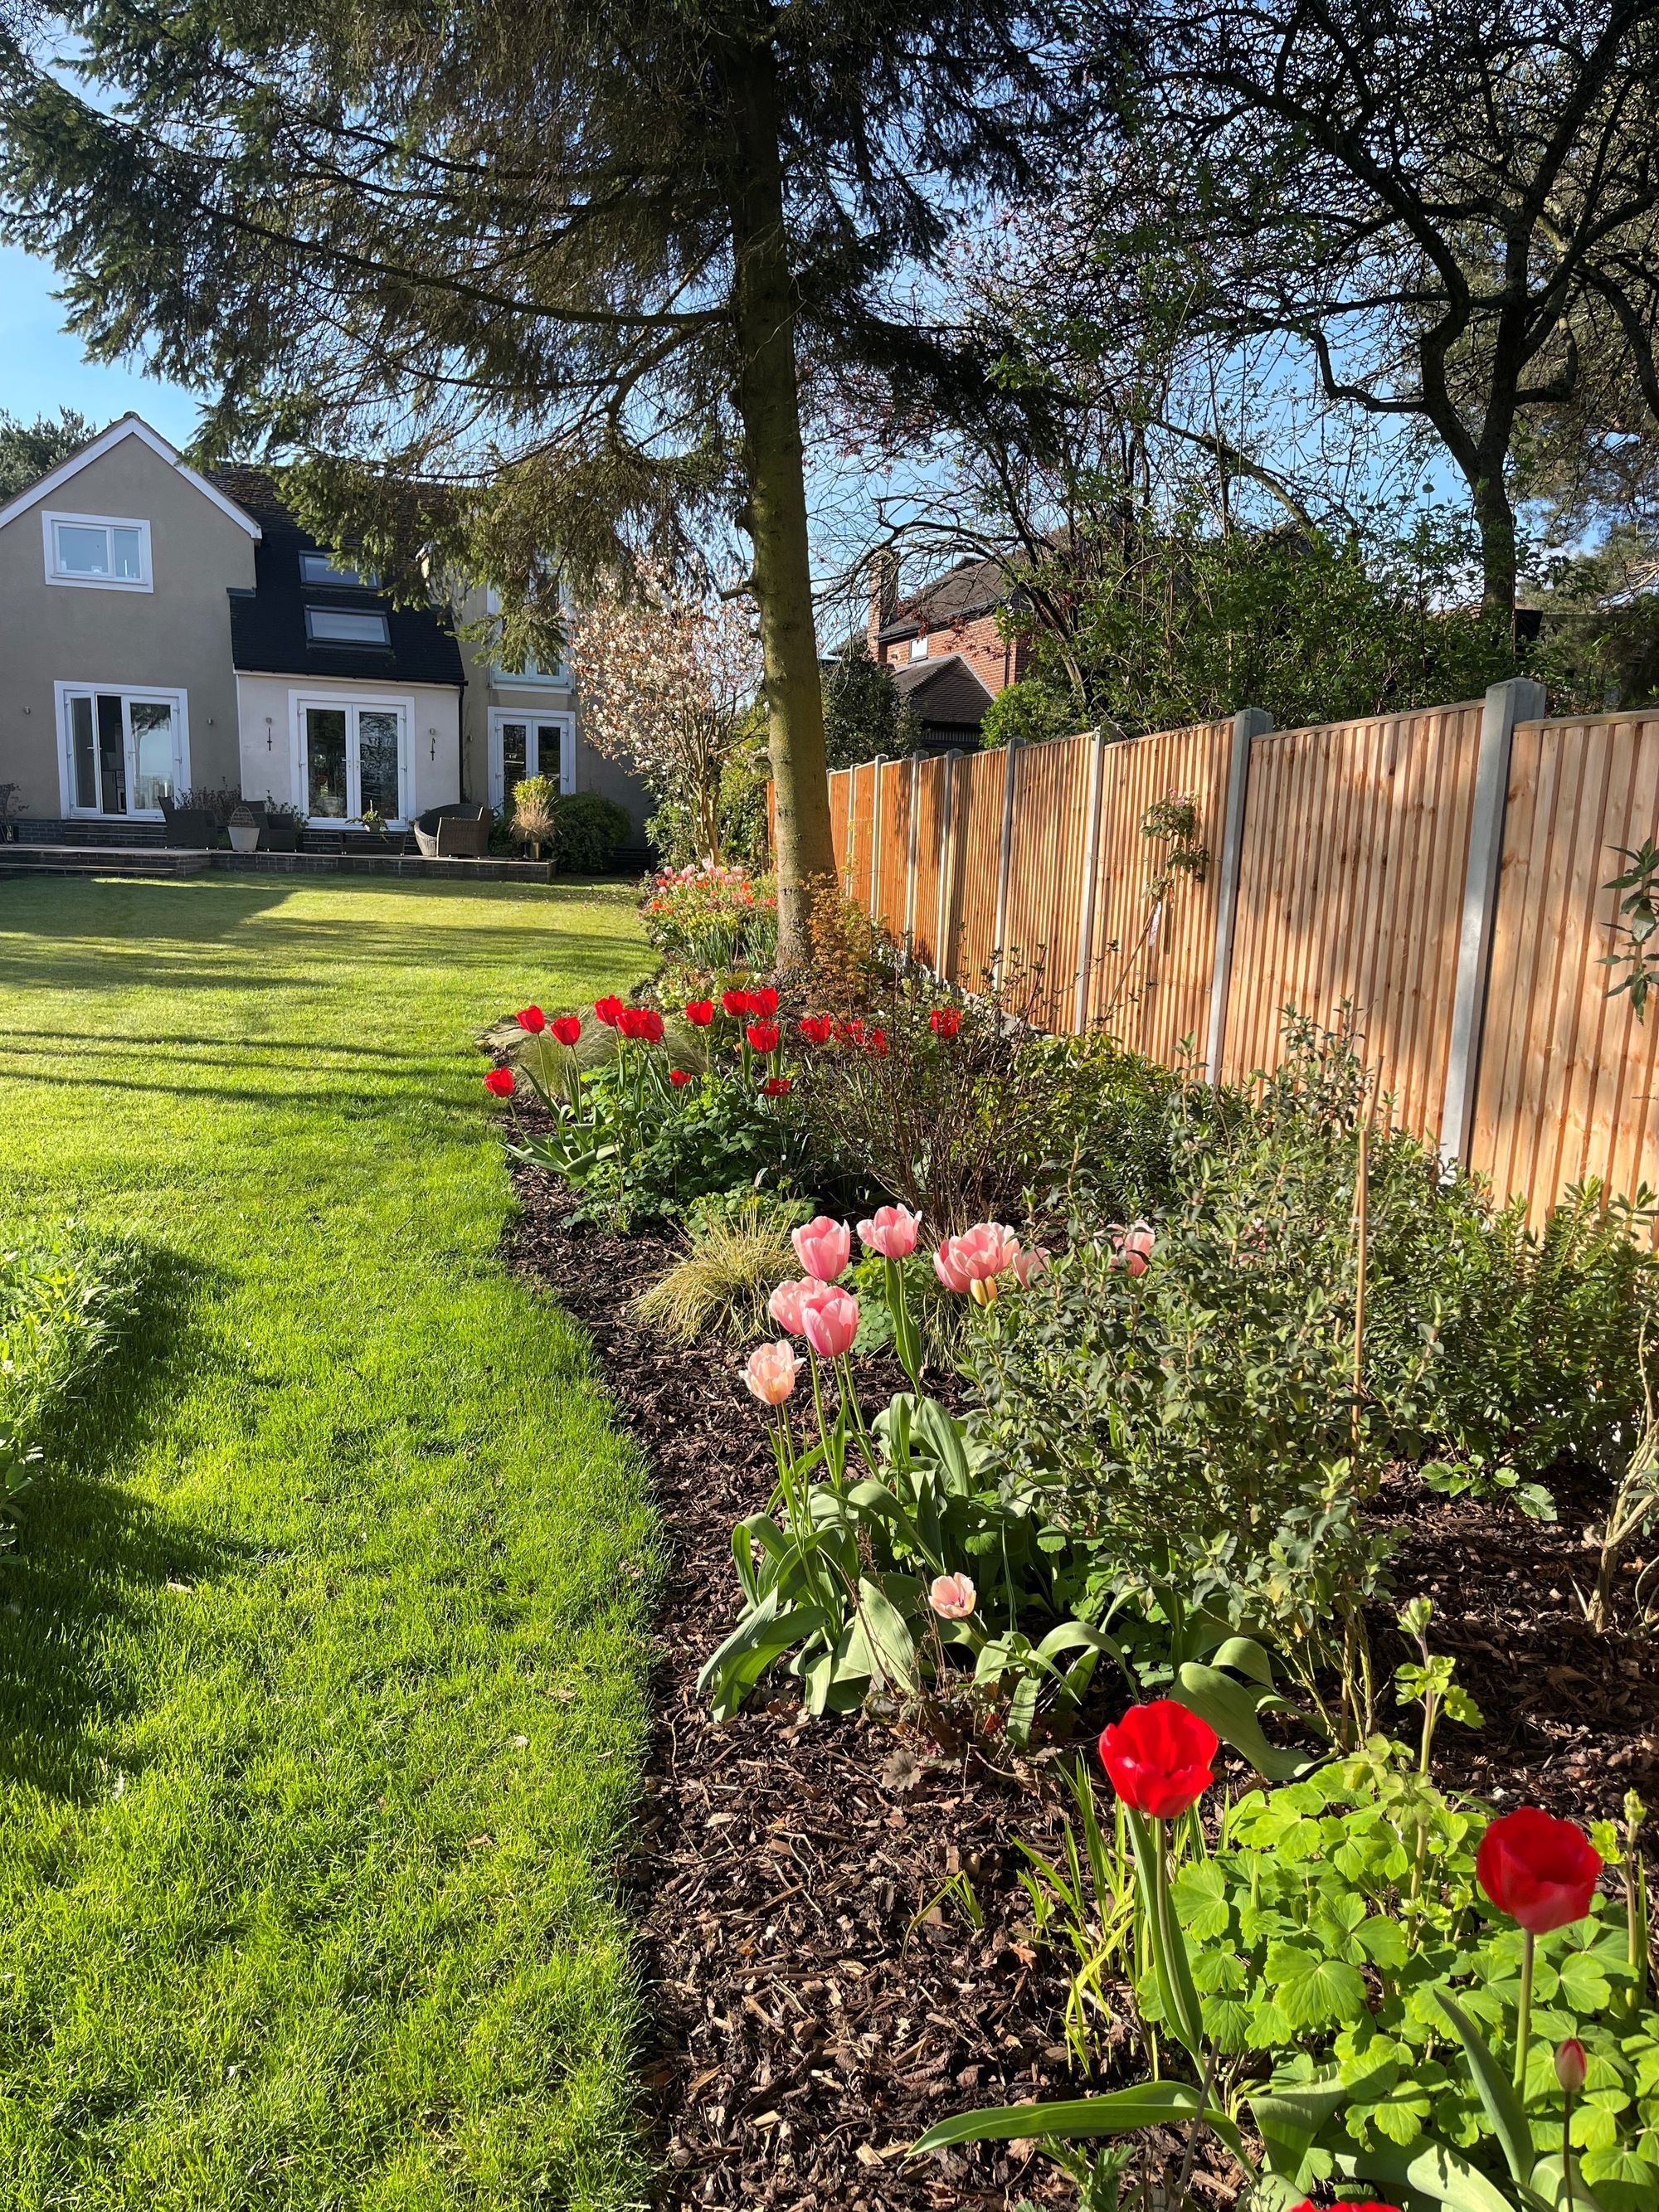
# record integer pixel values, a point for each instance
(668, 688)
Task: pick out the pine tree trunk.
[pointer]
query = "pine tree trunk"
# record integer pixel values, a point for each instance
(768, 403)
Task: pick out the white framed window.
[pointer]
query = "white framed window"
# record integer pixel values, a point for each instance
(121, 749)
(351, 755)
(97, 552)
(317, 567)
(919, 646)
(524, 745)
(347, 626)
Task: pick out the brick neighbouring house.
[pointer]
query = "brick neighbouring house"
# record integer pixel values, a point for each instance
(944, 647)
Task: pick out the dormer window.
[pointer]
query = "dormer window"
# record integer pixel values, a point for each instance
(329, 568)
(346, 626)
(99, 552)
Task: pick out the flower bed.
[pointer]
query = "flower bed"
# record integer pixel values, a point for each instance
(1032, 1484)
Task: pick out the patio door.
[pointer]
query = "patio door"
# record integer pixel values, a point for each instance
(123, 751)
(522, 745)
(351, 759)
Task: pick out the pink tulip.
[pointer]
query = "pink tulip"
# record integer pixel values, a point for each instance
(953, 1597)
(831, 1323)
(891, 1231)
(1027, 1265)
(824, 1247)
(1133, 1247)
(771, 1371)
(975, 1256)
(785, 1302)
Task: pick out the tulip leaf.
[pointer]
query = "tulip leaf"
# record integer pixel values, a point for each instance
(1149, 2104)
(1425, 2168)
(1503, 2108)
(1231, 1708)
(1288, 2118)
(1244, 1655)
(731, 1670)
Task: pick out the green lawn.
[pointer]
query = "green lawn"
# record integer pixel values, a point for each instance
(322, 1662)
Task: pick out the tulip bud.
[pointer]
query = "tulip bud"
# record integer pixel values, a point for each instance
(1570, 2065)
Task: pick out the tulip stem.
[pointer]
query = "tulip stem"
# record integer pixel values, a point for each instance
(1523, 2011)
(1566, 2147)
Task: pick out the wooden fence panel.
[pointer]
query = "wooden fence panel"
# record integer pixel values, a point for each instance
(932, 783)
(1568, 1077)
(1150, 975)
(1356, 847)
(892, 868)
(977, 841)
(1045, 879)
(839, 786)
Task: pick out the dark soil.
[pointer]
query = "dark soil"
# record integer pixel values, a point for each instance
(815, 2005)
(1571, 1718)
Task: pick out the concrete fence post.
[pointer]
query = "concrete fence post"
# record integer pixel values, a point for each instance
(1520, 700)
(1248, 724)
(1004, 866)
(942, 949)
(910, 855)
(875, 835)
(1085, 921)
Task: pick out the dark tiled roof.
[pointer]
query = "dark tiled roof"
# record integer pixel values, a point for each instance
(972, 587)
(268, 624)
(946, 693)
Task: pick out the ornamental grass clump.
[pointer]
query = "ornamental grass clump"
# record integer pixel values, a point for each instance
(736, 1254)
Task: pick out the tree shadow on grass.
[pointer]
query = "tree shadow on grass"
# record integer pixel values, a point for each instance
(92, 1555)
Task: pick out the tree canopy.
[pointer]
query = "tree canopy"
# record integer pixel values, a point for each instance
(532, 284)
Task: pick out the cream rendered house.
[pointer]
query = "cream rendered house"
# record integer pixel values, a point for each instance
(115, 682)
(167, 629)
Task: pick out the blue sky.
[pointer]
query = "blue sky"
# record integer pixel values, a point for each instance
(41, 368)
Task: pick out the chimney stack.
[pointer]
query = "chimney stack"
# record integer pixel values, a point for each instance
(884, 595)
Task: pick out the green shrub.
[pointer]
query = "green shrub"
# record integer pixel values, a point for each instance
(588, 830)
(1194, 1423)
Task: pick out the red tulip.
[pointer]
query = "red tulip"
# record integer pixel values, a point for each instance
(1539, 1870)
(532, 1018)
(762, 1035)
(763, 1001)
(678, 1078)
(735, 1003)
(651, 1028)
(500, 1082)
(945, 1021)
(1571, 2065)
(775, 1086)
(1158, 1756)
(608, 1010)
(875, 1042)
(1347, 2205)
(567, 1027)
(699, 1012)
(816, 1028)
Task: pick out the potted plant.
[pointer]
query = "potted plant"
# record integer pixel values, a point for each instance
(244, 828)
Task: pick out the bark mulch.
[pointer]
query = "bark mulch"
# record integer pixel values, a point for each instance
(814, 2006)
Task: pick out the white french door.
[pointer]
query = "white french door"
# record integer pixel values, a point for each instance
(523, 744)
(122, 751)
(352, 758)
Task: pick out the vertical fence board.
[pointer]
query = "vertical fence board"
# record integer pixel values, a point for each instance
(1051, 784)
